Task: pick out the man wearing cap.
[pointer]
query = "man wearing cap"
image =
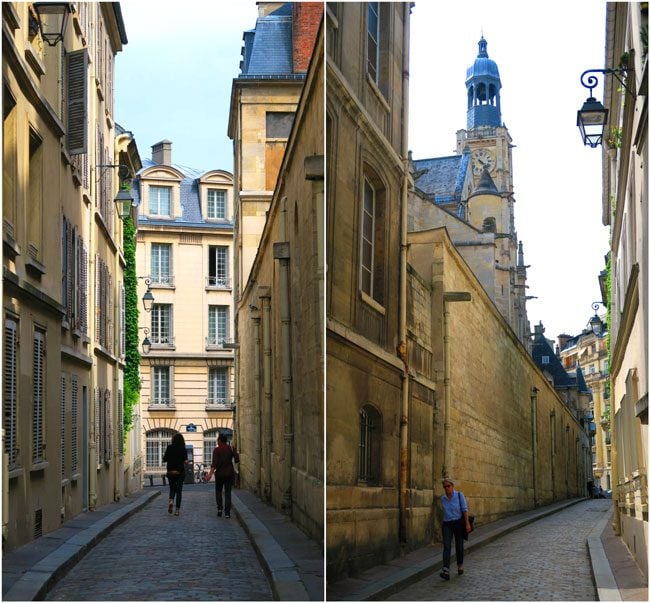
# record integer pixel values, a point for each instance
(455, 523)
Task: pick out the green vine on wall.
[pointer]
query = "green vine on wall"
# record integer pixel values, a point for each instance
(132, 369)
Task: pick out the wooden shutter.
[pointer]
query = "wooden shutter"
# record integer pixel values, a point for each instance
(108, 427)
(10, 392)
(70, 271)
(120, 423)
(38, 389)
(122, 320)
(77, 132)
(97, 426)
(83, 290)
(74, 428)
(62, 424)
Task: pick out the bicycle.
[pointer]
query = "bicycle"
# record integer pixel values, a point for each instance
(200, 473)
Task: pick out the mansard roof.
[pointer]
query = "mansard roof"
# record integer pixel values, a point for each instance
(541, 350)
(441, 178)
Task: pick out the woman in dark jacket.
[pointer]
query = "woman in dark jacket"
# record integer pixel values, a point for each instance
(176, 457)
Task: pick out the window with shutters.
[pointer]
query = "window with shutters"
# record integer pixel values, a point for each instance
(77, 102)
(62, 409)
(99, 440)
(10, 391)
(38, 397)
(74, 427)
(104, 304)
(107, 432)
(122, 320)
(81, 287)
(120, 423)
(67, 270)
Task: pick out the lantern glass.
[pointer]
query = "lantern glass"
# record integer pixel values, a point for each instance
(591, 122)
(147, 300)
(52, 20)
(124, 201)
(146, 345)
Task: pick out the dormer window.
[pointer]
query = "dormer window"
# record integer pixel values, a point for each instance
(546, 359)
(216, 204)
(160, 198)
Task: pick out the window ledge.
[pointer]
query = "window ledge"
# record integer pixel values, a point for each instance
(75, 477)
(39, 466)
(34, 61)
(16, 472)
(34, 267)
(372, 303)
(10, 246)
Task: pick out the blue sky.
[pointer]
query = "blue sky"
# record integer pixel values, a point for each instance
(541, 49)
(173, 78)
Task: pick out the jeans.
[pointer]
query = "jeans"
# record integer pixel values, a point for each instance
(176, 488)
(223, 483)
(451, 529)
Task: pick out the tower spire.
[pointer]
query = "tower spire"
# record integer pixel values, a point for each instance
(483, 84)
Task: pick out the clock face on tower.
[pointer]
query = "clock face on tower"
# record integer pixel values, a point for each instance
(482, 158)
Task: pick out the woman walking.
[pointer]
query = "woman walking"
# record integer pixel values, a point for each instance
(455, 524)
(176, 458)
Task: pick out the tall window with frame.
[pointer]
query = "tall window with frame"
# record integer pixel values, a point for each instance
(160, 201)
(373, 41)
(161, 386)
(371, 264)
(10, 391)
(216, 204)
(209, 444)
(157, 442)
(161, 262)
(38, 397)
(161, 324)
(218, 266)
(369, 445)
(218, 386)
(217, 325)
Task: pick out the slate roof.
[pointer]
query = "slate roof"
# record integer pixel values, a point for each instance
(268, 49)
(190, 201)
(541, 347)
(442, 178)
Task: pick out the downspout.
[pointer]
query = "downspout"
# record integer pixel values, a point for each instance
(257, 380)
(267, 410)
(281, 252)
(92, 444)
(402, 350)
(5, 493)
(533, 421)
(616, 521)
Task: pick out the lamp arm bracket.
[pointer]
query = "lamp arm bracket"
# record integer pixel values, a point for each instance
(591, 81)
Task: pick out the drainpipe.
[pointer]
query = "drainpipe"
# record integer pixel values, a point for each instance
(402, 351)
(257, 381)
(616, 520)
(267, 409)
(533, 421)
(448, 297)
(281, 252)
(5, 493)
(92, 445)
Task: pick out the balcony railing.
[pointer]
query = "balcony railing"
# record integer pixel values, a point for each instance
(162, 280)
(218, 403)
(214, 342)
(218, 282)
(163, 341)
(162, 404)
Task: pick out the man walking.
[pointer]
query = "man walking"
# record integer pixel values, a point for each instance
(224, 473)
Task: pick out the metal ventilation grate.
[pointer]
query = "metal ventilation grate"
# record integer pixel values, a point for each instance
(38, 523)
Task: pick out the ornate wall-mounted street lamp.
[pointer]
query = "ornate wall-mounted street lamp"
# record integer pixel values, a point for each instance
(147, 298)
(594, 322)
(123, 200)
(592, 118)
(146, 342)
(52, 20)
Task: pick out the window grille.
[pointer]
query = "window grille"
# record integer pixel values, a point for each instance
(369, 445)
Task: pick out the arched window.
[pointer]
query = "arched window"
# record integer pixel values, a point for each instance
(209, 444)
(369, 445)
(157, 442)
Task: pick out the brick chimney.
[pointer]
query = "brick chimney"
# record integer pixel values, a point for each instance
(306, 19)
(161, 152)
(562, 340)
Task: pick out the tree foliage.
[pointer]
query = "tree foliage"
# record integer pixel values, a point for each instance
(132, 369)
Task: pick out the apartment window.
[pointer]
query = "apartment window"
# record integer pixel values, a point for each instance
(369, 445)
(62, 412)
(160, 201)
(160, 385)
(372, 240)
(218, 266)
(157, 442)
(38, 397)
(216, 204)
(161, 255)
(104, 304)
(546, 359)
(161, 324)
(218, 385)
(10, 390)
(120, 423)
(35, 190)
(592, 369)
(209, 444)
(373, 40)
(10, 161)
(74, 417)
(217, 325)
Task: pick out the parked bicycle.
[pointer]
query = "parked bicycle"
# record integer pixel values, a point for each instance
(200, 473)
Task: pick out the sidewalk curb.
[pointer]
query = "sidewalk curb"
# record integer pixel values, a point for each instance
(34, 583)
(606, 586)
(282, 572)
(381, 589)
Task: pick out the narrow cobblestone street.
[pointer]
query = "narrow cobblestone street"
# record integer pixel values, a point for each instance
(157, 556)
(544, 561)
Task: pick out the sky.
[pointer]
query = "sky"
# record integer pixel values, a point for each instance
(541, 50)
(174, 76)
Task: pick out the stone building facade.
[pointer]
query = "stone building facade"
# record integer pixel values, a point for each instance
(625, 210)
(185, 219)
(428, 367)
(62, 270)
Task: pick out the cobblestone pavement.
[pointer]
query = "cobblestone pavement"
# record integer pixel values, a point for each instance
(156, 556)
(544, 561)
